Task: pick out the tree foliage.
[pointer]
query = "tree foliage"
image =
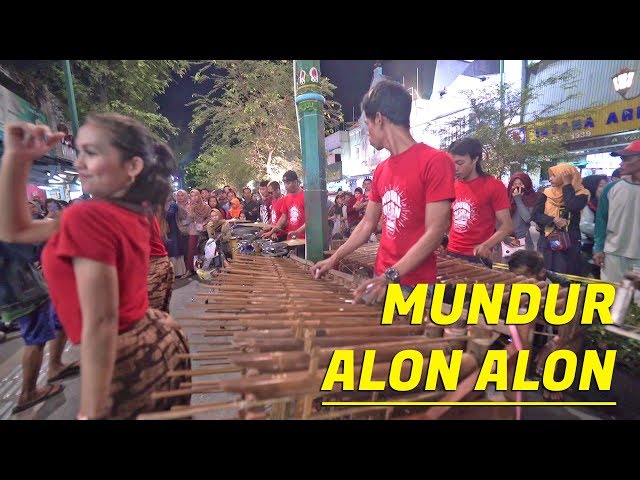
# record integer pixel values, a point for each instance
(129, 87)
(220, 166)
(494, 106)
(251, 107)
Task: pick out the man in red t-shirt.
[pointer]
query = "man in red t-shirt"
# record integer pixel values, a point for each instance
(290, 208)
(363, 199)
(352, 213)
(273, 192)
(414, 184)
(481, 202)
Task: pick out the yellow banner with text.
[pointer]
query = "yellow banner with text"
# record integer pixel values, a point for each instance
(597, 121)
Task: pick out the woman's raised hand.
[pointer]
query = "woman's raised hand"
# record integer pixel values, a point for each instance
(28, 142)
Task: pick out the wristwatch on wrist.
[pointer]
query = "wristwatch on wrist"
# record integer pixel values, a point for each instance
(392, 275)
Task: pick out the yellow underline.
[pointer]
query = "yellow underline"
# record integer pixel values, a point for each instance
(468, 404)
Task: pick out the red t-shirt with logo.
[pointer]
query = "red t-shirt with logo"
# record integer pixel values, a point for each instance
(404, 184)
(106, 233)
(292, 204)
(473, 212)
(157, 245)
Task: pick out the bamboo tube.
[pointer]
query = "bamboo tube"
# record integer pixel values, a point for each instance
(293, 344)
(190, 411)
(203, 383)
(223, 298)
(203, 371)
(280, 361)
(204, 355)
(221, 333)
(285, 308)
(212, 342)
(337, 331)
(183, 392)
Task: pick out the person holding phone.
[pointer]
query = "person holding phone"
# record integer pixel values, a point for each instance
(558, 208)
(522, 197)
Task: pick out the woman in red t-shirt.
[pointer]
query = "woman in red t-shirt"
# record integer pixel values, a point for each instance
(97, 258)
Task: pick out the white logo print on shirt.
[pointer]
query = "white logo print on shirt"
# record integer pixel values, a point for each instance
(394, 210)
(294, 213)
(464, 215)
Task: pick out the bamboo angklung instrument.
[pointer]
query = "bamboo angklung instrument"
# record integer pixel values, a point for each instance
(281, 328)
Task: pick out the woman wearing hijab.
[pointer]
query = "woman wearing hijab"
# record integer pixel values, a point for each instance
(595, 184)
(199, 212)
(522, 197)
(218, 227)
(235, 209)
(182, 222)
(338, 217)
(175, 241)
(558, 208)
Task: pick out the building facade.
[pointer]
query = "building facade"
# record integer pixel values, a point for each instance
(597, 121)
(51, 176)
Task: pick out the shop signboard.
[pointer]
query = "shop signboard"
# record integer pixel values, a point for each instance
(603, 120)
(16, 109)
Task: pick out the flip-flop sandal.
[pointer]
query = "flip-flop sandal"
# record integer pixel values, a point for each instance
(52, 391)
(70, 370)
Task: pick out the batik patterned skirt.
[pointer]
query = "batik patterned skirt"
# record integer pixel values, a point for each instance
(153, 347)
(160, 281)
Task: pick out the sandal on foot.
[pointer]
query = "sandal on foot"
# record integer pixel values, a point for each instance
(47, 392)
(69, 371)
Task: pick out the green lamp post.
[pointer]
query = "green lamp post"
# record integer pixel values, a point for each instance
(310, 105)
(71, 97)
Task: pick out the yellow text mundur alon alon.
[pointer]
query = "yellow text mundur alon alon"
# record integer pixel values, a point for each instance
(410, 370)
(492, 304)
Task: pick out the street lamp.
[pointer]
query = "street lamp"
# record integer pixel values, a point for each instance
(623, 80)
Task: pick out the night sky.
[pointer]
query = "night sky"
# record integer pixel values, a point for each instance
(173, 104)
(351, 77)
